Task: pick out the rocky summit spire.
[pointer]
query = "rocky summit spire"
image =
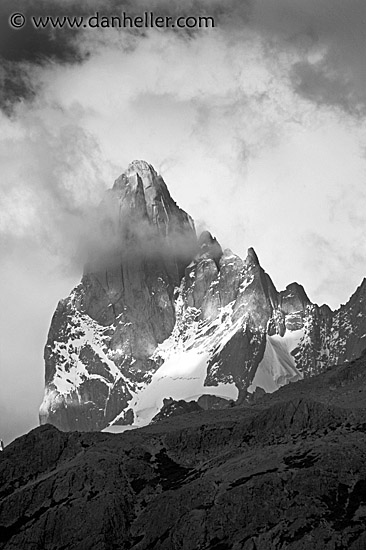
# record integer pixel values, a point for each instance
(125, 300)
(252, 258)
(209, 247)
(139, 219)
(141, 192)
(160, 314)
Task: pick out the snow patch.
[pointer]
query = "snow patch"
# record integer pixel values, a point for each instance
(277, 367)
(181, 376)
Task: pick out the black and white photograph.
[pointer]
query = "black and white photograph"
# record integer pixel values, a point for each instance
(182, 267)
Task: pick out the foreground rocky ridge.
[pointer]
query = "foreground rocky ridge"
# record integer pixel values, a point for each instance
(161, 313)
(287, 472)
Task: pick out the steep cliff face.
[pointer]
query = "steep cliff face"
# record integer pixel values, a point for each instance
(161, 314)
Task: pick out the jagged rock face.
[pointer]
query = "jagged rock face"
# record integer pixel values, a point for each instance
(348, 336)
(160, 313)
(287, 472)
(103, 334)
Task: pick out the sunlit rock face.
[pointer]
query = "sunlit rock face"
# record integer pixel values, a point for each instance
(160, 313)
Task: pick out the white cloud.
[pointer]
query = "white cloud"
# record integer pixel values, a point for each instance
(216, 113)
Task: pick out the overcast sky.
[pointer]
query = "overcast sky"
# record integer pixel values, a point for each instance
(257, 126)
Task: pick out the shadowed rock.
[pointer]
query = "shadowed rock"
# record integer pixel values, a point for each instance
(287, 472)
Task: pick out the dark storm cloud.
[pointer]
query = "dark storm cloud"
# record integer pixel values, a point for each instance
(31, 44)
(14, 85)
(324, 85)
(334, 28)
(35, 45)
(27, 46)
(22, 48)
(329, 37)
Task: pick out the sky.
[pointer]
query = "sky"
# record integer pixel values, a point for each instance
(257, 125)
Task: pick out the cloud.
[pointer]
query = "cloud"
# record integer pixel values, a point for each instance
(31, 288)
(203, 121)
(325, 37)
(330, 35)
(53, 176)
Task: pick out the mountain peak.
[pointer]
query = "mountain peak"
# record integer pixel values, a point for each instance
(139, 171)
(159, 312)
(142, 193)
(298, 290)
(252, 257)
(209, 246)
(140, 167)
(294, 298)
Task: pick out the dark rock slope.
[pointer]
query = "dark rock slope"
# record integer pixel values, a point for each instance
(161, 313)
(288, 472)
